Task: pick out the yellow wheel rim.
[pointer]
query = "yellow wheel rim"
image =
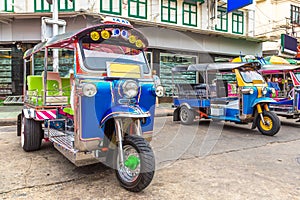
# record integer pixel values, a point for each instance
(269, 123)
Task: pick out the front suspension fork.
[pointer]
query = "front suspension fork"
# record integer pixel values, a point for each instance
(260, 111)
(119, 141)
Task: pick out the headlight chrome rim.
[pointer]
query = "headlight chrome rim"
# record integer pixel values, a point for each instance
(89, 89)
(159, 91)
(130, 89)
(264, 90)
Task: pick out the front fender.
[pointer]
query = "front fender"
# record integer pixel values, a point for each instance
(124, 111)
(262, 100)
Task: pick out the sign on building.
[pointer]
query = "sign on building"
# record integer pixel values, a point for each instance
(236, 4)
(288, 44)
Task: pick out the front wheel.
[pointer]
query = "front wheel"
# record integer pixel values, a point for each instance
(137, 171)
(272, 123)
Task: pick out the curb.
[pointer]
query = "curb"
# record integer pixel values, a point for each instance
(8, 122)
(13, 121)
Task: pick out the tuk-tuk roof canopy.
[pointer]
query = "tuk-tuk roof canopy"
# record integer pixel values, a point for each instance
(217, 66)
(279, 68)
(66, 40)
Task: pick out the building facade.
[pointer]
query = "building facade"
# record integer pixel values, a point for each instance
(274, 18)
(180, 32)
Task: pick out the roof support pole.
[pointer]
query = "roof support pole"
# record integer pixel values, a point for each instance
(55, 32)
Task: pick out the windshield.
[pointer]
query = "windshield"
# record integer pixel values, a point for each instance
(249, 76)
(97, 56)
(297, 74)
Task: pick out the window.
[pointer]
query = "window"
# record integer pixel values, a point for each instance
(238, 22)
(111, 6)
(222, 23)
(63, 5)
(169, 11)
(189, 13)
(41, 6)
(7, 5)
(295, 14)
(66, 5)
(137, 8)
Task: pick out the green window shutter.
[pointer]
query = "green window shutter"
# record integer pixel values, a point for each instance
(9, 5)
(111, 7)
(66, 5)
(41, 6)
(222, 20)
(189, 14)
(169, 11)
(238, 22)
(295, 14)
(137, 8)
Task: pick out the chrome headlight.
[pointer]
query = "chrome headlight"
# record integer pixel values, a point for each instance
(89, 89)
(247, 91)
(251, 91)
(264, 90)
(130, 88)
(159, 91)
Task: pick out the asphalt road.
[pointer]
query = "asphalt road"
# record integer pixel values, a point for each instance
(203, 161)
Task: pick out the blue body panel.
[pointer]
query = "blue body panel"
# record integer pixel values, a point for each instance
(298, 100)
(232, 113)
(226, 118)
(263, 100)
(89, 119)
(146, 101)
(95, 111)
(198, 103)
(285, 101)
(248, 100)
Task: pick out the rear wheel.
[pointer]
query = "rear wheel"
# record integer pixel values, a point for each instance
(19, 124)
(186, 115)
(272, 123)
(137, 171)
(31, 134)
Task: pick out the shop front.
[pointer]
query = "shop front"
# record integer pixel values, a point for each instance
(5, 71)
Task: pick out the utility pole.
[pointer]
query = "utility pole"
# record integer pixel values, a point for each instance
(55, 32)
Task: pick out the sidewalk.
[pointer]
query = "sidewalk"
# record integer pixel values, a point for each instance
(8, 114)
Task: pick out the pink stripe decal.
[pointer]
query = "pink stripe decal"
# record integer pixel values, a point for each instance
(45, 115)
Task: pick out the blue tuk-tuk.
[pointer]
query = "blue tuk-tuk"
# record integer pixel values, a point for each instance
(103, 111)
(233, 92)
(285, 79)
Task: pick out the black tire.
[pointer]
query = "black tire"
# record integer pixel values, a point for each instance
(146, 166)
(186, 115)
(19, 124)
(273, 128)
(31, 134)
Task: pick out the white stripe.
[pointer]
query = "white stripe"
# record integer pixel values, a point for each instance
(32, 113)
(26, 113)
(51, 113)
(42, 115)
